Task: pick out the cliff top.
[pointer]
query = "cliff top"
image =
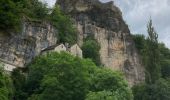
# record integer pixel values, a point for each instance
(105, 15)
(70, 5)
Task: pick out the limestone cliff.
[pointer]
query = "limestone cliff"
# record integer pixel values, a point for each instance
(92, 18)
(104, 21)
(19, 49)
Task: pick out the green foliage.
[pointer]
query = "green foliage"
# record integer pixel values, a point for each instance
(9, 18)
(6, 88)
(13, 11)
(60, 76)
(165, 69)
(63, 23)
(165, 52)
(91, 49)
(37, 9)
(108, 85)
(164, 61)
(160, 90)
(153, 55)
(103, 95)
(150, 52)
(140, 42)
(66, 78)
(33, 9)
(18, 79)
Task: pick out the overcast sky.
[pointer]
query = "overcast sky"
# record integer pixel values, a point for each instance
(136, 13)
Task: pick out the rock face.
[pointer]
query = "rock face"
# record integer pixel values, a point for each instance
(20, 49)
(104, 21)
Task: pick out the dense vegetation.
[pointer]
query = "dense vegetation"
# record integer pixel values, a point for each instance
(156, 59)
(8, 15)
(91, 50)
(64, 24)
(61, 76)
(6, 88)
(13, 12)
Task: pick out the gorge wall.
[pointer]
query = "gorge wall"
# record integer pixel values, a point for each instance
(19, 49)
(104, 21)
(92, 18)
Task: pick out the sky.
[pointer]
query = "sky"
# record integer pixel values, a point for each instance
(136, 14)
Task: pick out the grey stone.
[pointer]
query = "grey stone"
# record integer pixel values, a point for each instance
(20, 49)
(104, 21)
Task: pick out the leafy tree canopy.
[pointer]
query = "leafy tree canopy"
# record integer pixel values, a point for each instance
(61, 76)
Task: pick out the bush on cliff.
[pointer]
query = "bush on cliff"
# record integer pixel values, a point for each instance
(91, 50)
(67, 33)
(9, 17)
(12, 13)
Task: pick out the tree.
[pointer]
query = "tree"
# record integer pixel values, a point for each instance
(103, 95)
(57, 76)
(91, 49)
(6, 88)
(35, 9)
(141, 45)
(152, 52)
(60, 76)
(156, 58)
(18, 80)
(164, 61)
(12, 12)
(9, 17)
(67, 33)
(108, 84)
(140, 42)
(160, 90)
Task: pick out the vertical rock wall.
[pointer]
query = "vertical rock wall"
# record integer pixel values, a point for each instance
(104, 21)
(20, 49)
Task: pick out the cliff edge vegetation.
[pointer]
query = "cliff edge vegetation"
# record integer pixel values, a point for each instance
(15, 12)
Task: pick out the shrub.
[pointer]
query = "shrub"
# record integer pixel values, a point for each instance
(91, 49)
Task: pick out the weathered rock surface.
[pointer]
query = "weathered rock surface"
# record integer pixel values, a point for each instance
(92, 18)
(20, 49)
(104, 21)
